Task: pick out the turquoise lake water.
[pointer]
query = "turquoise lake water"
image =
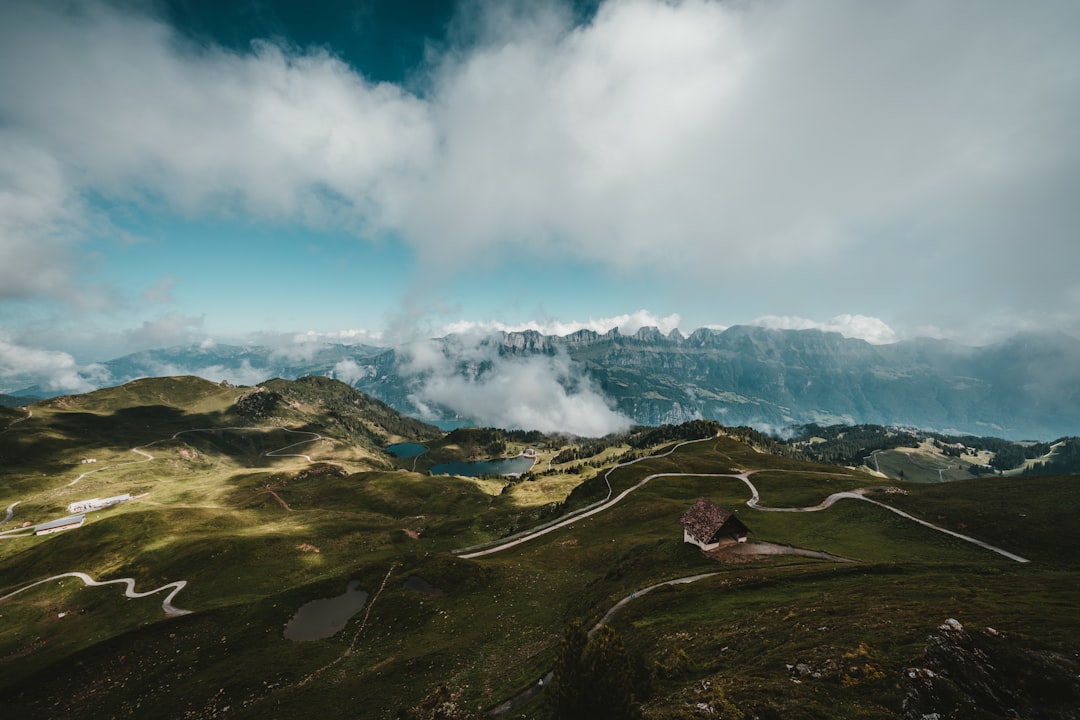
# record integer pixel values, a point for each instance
(476, 468)
(405, 449)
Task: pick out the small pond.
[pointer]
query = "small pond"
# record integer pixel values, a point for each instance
(405, 449)
(326, 617)
(476, 468)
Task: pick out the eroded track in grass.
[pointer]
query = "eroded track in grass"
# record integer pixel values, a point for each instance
(129, 589)
(753, 502)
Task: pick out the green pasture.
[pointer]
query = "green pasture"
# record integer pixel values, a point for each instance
(256, 537)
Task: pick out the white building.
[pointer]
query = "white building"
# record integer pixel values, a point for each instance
(55, 526)
(83, 506)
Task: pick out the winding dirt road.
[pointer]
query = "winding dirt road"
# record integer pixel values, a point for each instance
(129, 589)
(585, 512)
(538, 687)
(753, 502)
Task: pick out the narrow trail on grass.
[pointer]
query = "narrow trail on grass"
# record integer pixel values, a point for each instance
(538, 687)
(860, 495)
(13, 423)
(269, 453)
(129, 589)
(10, 510)
(356, 635)
(147, 457)
(276, 497)
(585, 512)
(753, 502)
(966, 538)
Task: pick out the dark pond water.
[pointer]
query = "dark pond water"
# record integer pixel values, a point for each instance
(405, 450)
(326, 617)
(476, 468)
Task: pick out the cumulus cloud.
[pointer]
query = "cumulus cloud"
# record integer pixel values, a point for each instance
(242, 374)
(39, 221)
(160, 292)
(350, 372)
(627, 324)
(538, 392)
(344, 337)
(871, 329)
(699, 139)
(165, 331)
(54, 371)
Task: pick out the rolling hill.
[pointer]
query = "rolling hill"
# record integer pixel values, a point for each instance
(262, 499)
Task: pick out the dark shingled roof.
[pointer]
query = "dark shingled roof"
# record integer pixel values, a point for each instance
(705, 520)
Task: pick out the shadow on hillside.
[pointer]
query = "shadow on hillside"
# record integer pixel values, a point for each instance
(67, 433)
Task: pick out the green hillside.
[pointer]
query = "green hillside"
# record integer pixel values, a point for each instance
(263, 499)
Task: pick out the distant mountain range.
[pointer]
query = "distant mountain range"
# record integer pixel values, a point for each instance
(1027, 387)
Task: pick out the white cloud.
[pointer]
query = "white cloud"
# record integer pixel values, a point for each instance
(160, 292)
(165, 331)
(870, 329)
(344, 337)
(628, 324)
(39, 217)
(547, 393)
(704, 140)
(244, 374)
(349, 371)
(22, 366)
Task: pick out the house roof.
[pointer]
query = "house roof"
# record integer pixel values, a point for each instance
(705, 518)
(61, 522)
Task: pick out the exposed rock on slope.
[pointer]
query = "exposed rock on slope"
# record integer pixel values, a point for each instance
(988, 674)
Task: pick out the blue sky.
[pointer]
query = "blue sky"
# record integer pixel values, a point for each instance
(379, 171)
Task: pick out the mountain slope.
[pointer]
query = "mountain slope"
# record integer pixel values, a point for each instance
(1027, 387)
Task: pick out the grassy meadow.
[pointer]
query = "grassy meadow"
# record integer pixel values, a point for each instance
(256, 536)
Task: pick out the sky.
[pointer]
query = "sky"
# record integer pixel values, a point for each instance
(178, 171)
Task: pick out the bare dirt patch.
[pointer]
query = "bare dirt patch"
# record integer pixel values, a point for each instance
(736, 552)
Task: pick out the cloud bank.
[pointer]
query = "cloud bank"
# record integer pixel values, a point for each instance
(540, 392)
(872, 330)
(919, 143)
(52, 370)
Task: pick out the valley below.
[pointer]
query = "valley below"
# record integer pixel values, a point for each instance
(866, 589)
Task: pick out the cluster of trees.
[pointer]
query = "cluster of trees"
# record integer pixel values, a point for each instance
(762, 442)
(692, 430)
(1064, 461)
(849, 444)
(587, 449)
(1007, 453)
(594, 678)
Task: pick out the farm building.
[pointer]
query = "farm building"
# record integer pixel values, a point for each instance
(64, 523)
(83, 506)
(706, 525)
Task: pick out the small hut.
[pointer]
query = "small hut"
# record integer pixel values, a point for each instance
(55, 526)
(706, 525)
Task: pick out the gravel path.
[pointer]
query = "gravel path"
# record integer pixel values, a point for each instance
(538, 687)
(129, 590)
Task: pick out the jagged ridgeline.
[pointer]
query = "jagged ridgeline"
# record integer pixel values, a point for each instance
(1024, 388)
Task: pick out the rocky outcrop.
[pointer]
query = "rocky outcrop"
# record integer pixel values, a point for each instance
(989, 674)
(258, 404)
